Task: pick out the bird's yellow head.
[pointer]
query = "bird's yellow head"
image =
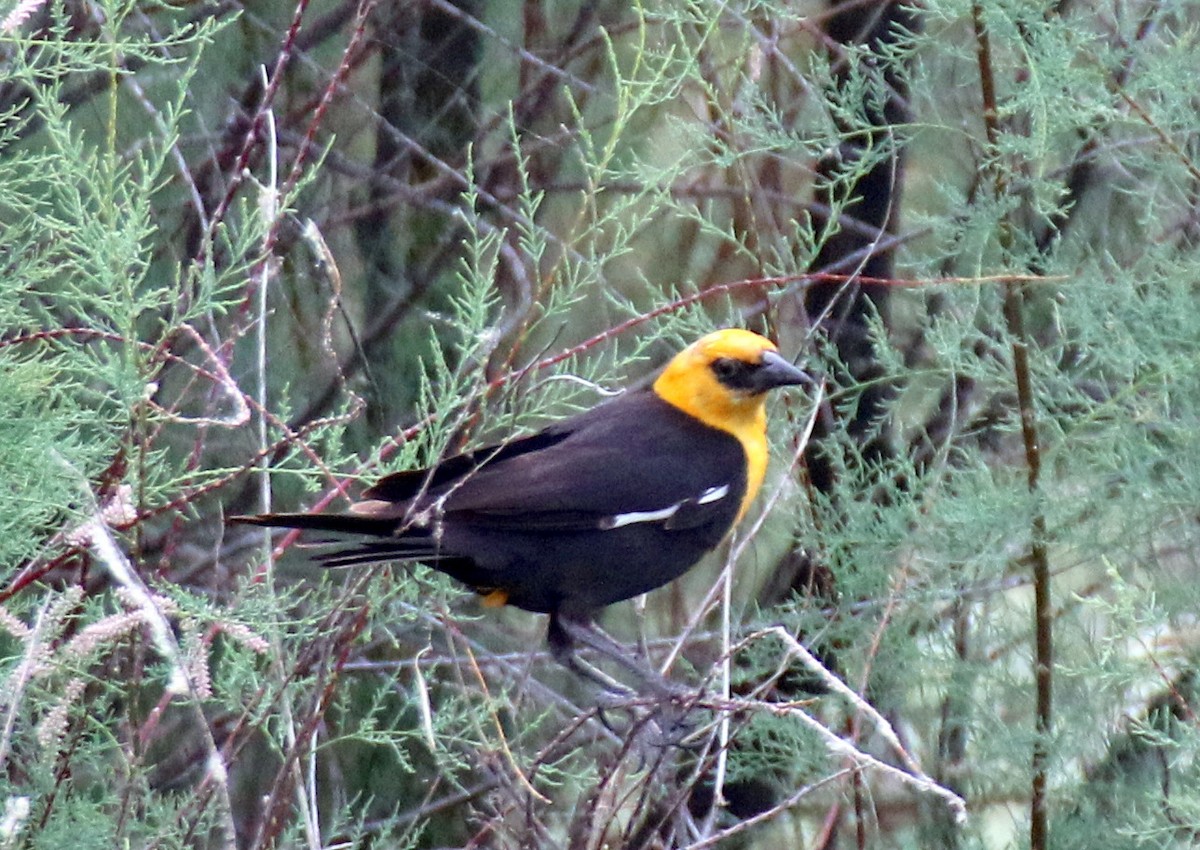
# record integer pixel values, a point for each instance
(722, 379)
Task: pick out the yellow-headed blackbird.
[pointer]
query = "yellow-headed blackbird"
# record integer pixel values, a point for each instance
(600, 507)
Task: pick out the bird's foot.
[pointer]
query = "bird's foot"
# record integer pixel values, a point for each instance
(567, 634)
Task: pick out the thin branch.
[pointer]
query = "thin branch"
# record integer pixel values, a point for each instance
(1014, 316)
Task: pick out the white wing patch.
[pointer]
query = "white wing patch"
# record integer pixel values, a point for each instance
(712, 494)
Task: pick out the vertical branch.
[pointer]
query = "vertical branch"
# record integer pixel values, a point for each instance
(1014, 318)
(1014, 298)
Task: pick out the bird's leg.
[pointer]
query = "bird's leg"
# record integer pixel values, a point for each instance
(562, 647)
(568, 632)
(665, 724)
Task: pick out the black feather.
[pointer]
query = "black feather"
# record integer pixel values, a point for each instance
(534, 517)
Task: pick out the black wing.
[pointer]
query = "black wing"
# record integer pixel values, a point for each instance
(634, 455)
(636, 460)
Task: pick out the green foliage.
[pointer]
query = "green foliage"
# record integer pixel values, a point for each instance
(431, 231)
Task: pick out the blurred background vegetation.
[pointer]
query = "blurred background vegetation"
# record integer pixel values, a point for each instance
(334, 238)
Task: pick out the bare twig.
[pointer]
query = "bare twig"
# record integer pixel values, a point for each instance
(1014, 316)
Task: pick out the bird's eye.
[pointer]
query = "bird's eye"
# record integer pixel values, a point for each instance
(726, 367)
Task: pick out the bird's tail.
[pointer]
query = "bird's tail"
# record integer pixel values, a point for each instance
(342, 523)
(419, 545)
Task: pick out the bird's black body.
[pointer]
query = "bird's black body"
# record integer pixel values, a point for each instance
(598, 508)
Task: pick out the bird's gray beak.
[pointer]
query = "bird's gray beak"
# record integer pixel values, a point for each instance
(776, 371)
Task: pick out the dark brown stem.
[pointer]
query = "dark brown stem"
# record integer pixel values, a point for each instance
(1014, 317)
